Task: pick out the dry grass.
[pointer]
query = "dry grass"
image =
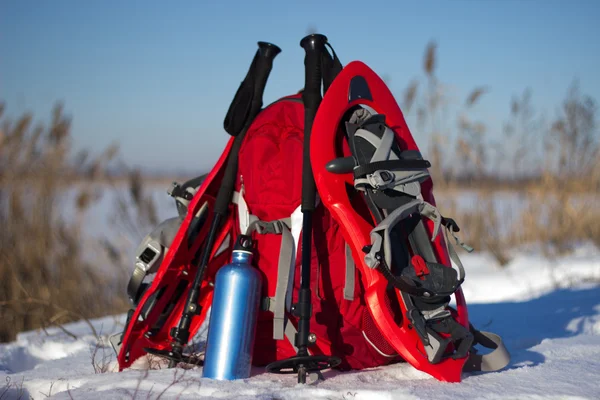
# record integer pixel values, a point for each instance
(13, 390)
(101, 356)
(553, 168)
(49, 276)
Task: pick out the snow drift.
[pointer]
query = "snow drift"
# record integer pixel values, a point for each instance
(548, 313)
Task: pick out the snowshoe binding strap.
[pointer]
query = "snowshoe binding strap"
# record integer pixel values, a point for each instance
(494, 361)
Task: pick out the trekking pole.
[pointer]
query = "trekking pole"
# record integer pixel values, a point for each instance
(303, 363)
(252, 88)
(314, 46)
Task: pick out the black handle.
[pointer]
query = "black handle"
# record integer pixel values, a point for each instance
(266, 54)
(314, 46)
(268, 50)
(251, 90)
(240, 110)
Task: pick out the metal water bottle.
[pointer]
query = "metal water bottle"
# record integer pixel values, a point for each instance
(232, 323)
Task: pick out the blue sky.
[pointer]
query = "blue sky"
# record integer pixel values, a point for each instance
(158, 77)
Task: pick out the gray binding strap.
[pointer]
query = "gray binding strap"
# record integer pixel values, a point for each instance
(384, 150)
(494, 361)
(286, 253)
(400, 181)
(429, 211)
(349, 284)
(454, 256)
(381, 233)
(465, 246)
(405, 181)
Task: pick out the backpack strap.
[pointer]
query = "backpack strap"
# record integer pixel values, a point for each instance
(349, 282)
(286, 257)
(250, 223)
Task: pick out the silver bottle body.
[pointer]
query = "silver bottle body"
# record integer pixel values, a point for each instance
(233, 316)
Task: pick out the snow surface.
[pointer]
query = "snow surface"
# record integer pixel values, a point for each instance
(548, 313)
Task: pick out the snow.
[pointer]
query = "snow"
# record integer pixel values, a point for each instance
(547, 311)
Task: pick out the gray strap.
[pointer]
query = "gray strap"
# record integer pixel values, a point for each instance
(454, 256)
(381, 233)
(494, 361)
(135, 285)
(429, 211)
(359, 116)
(405, 181)
(349, 284)
(290, 334)
(283, 275)
(400, 181)
(158, 242)
(466, 247)
(382, 149)
(286, 253)
(385, 146)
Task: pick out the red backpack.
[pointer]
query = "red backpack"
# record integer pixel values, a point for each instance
(269, 189)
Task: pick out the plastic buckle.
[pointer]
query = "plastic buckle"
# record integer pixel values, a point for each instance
(420, 267)
(380, 179)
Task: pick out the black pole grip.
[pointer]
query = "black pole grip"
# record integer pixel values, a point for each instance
(260, 68)
(241, 106)
(314, 46)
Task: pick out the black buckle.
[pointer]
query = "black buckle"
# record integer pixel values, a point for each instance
(177, 191)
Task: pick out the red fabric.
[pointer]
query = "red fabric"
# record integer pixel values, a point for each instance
(270, 167)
